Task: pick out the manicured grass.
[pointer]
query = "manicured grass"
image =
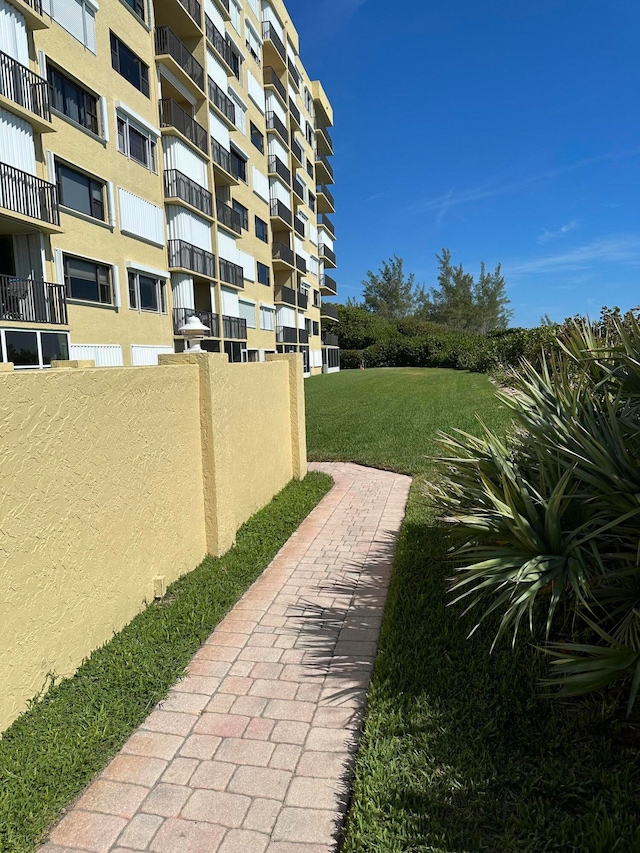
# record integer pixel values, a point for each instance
(460, 753)
(53, 750)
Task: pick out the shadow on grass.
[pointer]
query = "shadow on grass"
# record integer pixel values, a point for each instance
(460, 754)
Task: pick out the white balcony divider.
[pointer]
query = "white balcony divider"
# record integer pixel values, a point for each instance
(185, 225)
(179, 156)
(141, 218)
(14, 40)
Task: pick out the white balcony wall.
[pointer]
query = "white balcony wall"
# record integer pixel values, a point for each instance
(313, 234)
(182, 290)
(248, 264)
(104, 355)
(248, 312)
(292, 92)
(277, 148)
(324, 238)
(185, 225)
(274, 105)
(77, 17)
(292, 55)
(301, 324)
(13, 33)
(179, 156)
(286, 316)
(227, 247)
(260, 183)
(144, 354)
(141, 218)
(269, 14)
(230, 302)
(219, 130)
(256, 91)
(17, 147)
(212, 11)
(216, 70)
(300, 250)
(279, 191)
(235, 10)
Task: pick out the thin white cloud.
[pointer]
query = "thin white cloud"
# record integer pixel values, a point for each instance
(616, 249)
(551, 236)
(338, 11)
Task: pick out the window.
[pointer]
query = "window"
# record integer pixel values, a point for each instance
(247, 311)
(238, 166)
(80, 192)
(146, 293)
(316, 298)
(234, 10)
(267, 317)
(240, 111)
(243, 212)
(72, 100)
(262, 230)
(77, 17)
(127, 64)
(312, 202)
(308, 101)
(263, 274)
(235, 63)
(310, 168)
(136, 143)
(307, 326)
(316, 327)
(87, 280)
(137, 7)
(257, 138)
(234, 351)
(309, 133)
(33, 349)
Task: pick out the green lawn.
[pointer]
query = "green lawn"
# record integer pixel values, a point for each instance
(53, 750)
(460, 753)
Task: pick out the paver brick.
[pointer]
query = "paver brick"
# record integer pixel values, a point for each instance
(88, 831)
(260, 782)
(202, 747)
(139, 831)
(243, 751)
(223, 725)
(113, 798)
(137, 769)
(170, 722)
(288, 731)
(310, 826)
(166, 800)
(152, 744)
(214, 775)
(217, 807)
(244, 841)
(180, 770)
(279, 709)
(262, 815)
(187, 836)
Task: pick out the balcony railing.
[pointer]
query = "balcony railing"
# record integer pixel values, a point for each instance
(172, 115)
(275, 123)
(324, 189)
(280, 209)
(296, 149)
(231, 273)
(326, 252)
(272, 79)
(295, 74)
(228, 216)
(301, 264)
(295, 112)
(30, 301)
(221, 101)
(218, 41)
(221, 156)
(303, 336)
(327, 283)
(329, 310)
(303, 300)
(321, 158)
(234, 327)
(269, 34)
(28, 195)
(298, 188)
(23, 87)
(36, 5)
(178, 185)
(286, 335)
(321, 128)
(330, 341)
(325, 222)
(225, 3)
(286, 295)
(277, 167)
(280, 252)
(211, 320)
(194, 9)
(167, 42)
(189, 257)
(298, 224)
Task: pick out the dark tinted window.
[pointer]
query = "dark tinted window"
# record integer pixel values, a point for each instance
(263, 274)
(262, 230)
(244, 213)
(126, 63)
(80, 192)
(87, 280)
(137, 6)
(54, 346)
(22, 348)
(238, 166)
(73, 101)
(257, 138)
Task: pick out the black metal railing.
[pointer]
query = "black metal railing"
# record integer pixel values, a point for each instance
(280, 252)
(303, 336)
(324, 189)
(327, 283)
(286, 335)
(167, 42)
(321, 128)
(28, 195)
(301, 264)
(329, 310)
(298, 224)
(211, 320)
(228, 216)
(218, 41)
(172, 115)
(330, 341)
(324, 220)
(277, 167)
(296, 150)
(295, 74)
(285, 294)
(23, 87)
(298, 188)
(234, 327)
(194, 9)
(271, 79)
(31, 301)
(221, 101)
(274, 122)
(189, 257)
(178, 185)
(280, 209)
(327, 253)
(295, 112)
(36, 5)
(269, 34)
(231, 273)
(303, 300)
(321, 158)
(221, 156)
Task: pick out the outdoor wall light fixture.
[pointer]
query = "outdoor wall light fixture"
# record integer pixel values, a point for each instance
(194, 331)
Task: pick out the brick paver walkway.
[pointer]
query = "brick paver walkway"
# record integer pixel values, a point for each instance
(252, 751)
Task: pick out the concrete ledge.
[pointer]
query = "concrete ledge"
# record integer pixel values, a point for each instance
(6, 366)
(73, 365)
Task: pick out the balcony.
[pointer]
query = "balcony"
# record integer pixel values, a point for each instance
(330, 341)
(271, 37)
(323, 138)
(21, 86)
(275, 123)
(298, 224)
(328, 287)
(194, 9)
(222, 102)
(298, 153)
(301, 264)
(286, 335)
(326, 203)
(324, 166)
(231, 273)
(328, 255)
(303, 300)
(28, 195)
(277, 167)
(295, 74)
(298, 188)
(303, 336)
(222, 163)
(327, 224)
(228, 217)
(186, 256)
(286, 295)
(178, 185)
(271, 78)
(172, 115)
(295, 112)
(168, 44)
(219, 43)
(212, 321)
(329, 312)
(27, 300)
(282, 255)
(279, 210)
(234, 327)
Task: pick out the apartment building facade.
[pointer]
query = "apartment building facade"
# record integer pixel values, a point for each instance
(159, 160)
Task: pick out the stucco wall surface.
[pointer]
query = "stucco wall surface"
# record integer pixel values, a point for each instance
(100, 491)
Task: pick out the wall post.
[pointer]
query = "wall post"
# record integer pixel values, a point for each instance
(297, 410)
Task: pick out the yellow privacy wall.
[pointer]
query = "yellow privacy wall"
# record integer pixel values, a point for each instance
(116, 481)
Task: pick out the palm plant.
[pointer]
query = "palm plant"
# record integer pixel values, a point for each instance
(551, 515)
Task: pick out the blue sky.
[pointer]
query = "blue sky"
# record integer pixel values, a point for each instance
(505, 130)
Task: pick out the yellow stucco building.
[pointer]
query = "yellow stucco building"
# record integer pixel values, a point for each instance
(161, 159)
